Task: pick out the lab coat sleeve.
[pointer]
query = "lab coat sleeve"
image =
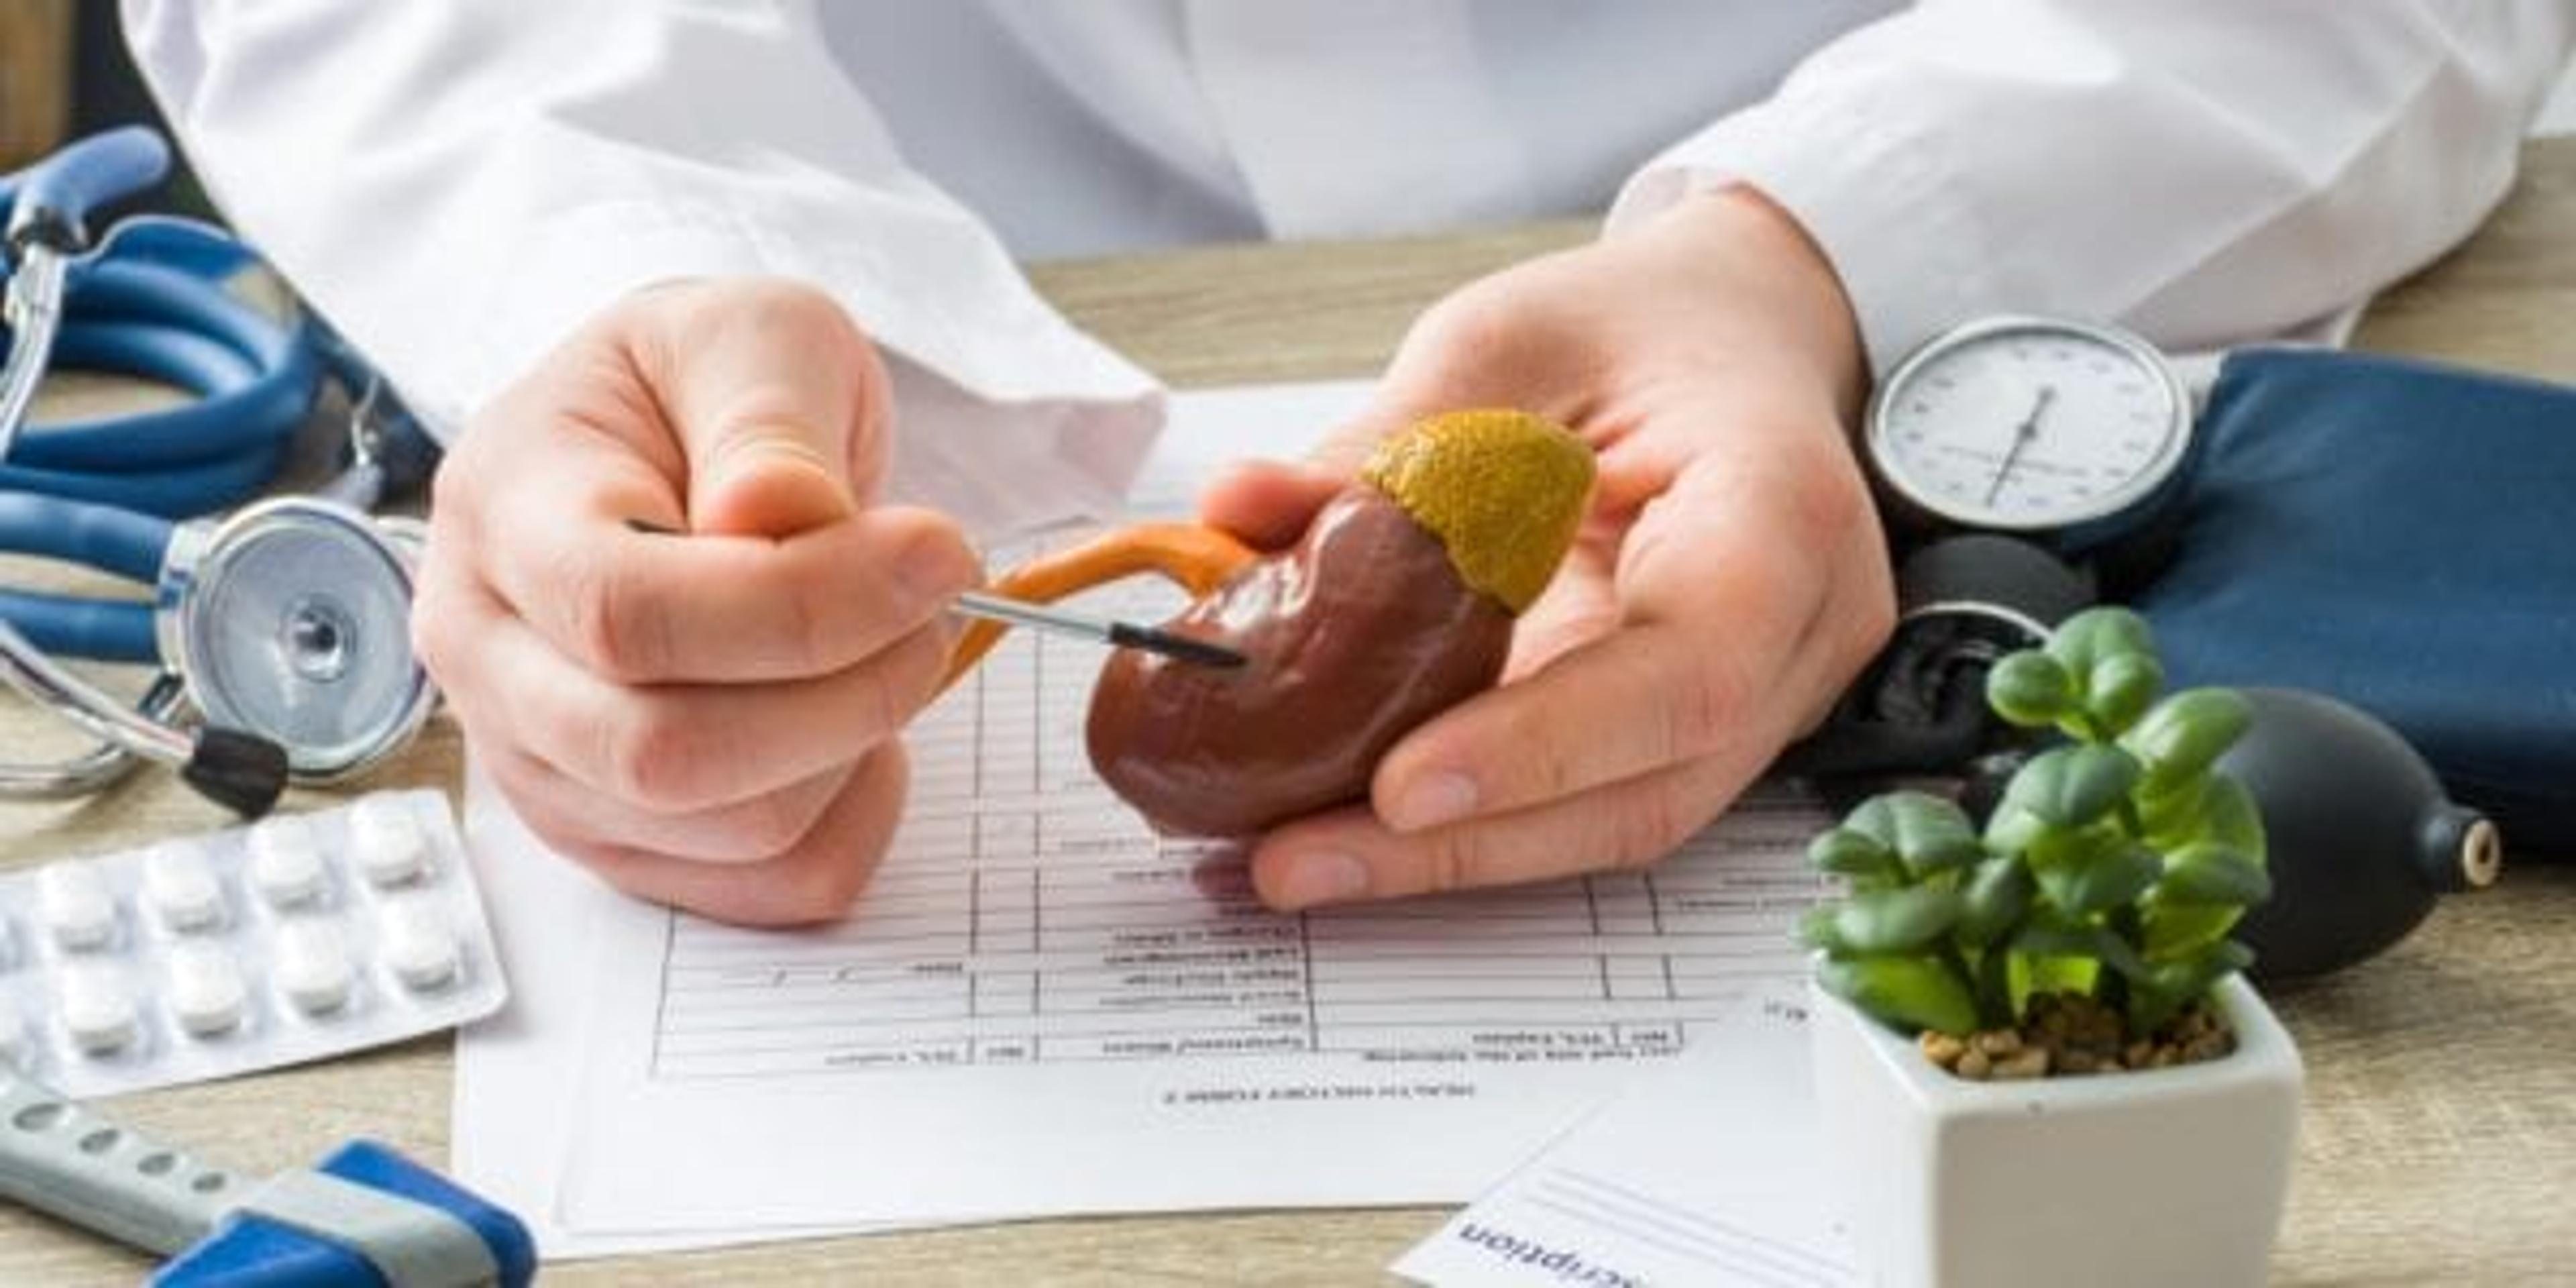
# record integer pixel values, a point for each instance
(2205, 171)
(458, 184)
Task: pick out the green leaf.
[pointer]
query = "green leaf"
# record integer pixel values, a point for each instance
(2030, 975)
(2080, 643)
(2066, 848)
(2226, 959)
(1907, 992)
(2229, 816)
(2055, 935)
(2185, 734)
(2150, 1007)
(1895, 921)
(2174, 984)
(2171, 817)
(1993, 976)
(1927, 833)
(2108, 880)
(2211, 872)
(1816, 929)
(2029, 689)
(2072, 786)
(1858, 855)
(2059, 856)
(1992, 901)
(2171, 930)
(2013, 829)
(2118, 690)
(2219, 810)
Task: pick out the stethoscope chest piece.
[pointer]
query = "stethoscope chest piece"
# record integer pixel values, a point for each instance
(290, 620)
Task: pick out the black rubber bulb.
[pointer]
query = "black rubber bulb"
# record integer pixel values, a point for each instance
(2360, 837)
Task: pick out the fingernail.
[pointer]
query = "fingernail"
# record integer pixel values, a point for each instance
(1322, 877)
(1434, 799)
(932, 568)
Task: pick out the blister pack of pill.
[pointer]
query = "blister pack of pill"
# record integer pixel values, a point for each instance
(293, 938)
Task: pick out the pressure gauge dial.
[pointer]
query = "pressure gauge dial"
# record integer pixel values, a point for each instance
(2028, 425)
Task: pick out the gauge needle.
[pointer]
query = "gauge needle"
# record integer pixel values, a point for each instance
(2023, 433)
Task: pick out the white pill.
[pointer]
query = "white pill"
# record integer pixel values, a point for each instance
(75, 905)
(418, 945)
(97, 1008)
(386, 841)
(206, 990)
(312, 966)
(180, 886)
(286, 862)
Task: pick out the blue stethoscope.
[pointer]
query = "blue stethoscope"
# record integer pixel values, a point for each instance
(282, 629)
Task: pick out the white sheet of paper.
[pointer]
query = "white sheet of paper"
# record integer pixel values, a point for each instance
(1704, 1171)
(1040, 1009)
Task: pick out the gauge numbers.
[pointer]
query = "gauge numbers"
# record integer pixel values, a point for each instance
(2023, 424)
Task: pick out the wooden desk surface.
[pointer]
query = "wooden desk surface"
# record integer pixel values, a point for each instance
(2439, 1140)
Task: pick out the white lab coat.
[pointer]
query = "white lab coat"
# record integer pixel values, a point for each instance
(457, 183)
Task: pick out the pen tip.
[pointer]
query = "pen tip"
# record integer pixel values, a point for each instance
(1177, 647)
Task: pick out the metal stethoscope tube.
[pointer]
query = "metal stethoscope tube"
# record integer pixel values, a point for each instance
(122, 734)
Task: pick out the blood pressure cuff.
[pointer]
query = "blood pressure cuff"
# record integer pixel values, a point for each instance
(2400, 535)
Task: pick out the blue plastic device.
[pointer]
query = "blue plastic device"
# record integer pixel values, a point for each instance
(249, 1250)
(367, 1216)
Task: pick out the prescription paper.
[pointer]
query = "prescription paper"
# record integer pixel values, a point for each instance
(1705, 1171)
(1041, 1009)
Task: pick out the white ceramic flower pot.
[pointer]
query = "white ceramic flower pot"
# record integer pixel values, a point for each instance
(2163, 1177)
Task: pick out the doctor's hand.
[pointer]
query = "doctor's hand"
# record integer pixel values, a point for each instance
(678, 633)
(1728, 582)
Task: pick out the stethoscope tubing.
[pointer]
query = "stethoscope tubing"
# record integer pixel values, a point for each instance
(104, 537)
(102, 630)
(251, 383)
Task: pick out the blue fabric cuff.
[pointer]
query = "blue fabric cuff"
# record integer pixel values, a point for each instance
(2401, 535)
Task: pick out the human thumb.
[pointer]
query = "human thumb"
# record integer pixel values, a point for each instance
(766, 480)
(779, 405)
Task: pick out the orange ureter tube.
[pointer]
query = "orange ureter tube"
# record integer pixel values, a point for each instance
(1197, 559)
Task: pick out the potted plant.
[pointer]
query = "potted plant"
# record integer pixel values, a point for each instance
(2036, 1059)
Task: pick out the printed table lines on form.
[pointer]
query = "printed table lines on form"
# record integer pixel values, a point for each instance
(1127, 969)
(1026, 915)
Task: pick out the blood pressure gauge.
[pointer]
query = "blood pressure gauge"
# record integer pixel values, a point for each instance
(2070, 434)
